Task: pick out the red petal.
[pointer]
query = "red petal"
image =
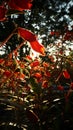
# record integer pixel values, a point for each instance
(2, 13)
(20, 4)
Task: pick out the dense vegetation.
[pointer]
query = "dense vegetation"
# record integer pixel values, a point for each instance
(36, 92)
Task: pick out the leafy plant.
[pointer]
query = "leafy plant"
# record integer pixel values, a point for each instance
(36, 93)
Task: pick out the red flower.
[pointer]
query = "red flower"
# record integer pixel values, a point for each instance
(20, 5)
(29, 36)
(66, 74)
(2, 13)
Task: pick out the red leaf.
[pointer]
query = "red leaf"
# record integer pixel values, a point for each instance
(35, 63)
(26, 34)
(27, 88)
(54, 33)
(20, 5)
(7, 73)
(71, 85)
(45, 64)
(68, 35)
(36, 46)
(19, 75)
(22, 76)
(61, 52)
(2, 61)
(61, 88)
(29, 36)
(66, 74)
(45, 84)
(2, 13)
(47, 73)
(28, 57)
(37, 75)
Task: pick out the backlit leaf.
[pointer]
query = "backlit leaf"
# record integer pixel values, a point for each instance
(26, 34)
(29, 36)
(37, 47)
(20, 5)
(66, 74)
